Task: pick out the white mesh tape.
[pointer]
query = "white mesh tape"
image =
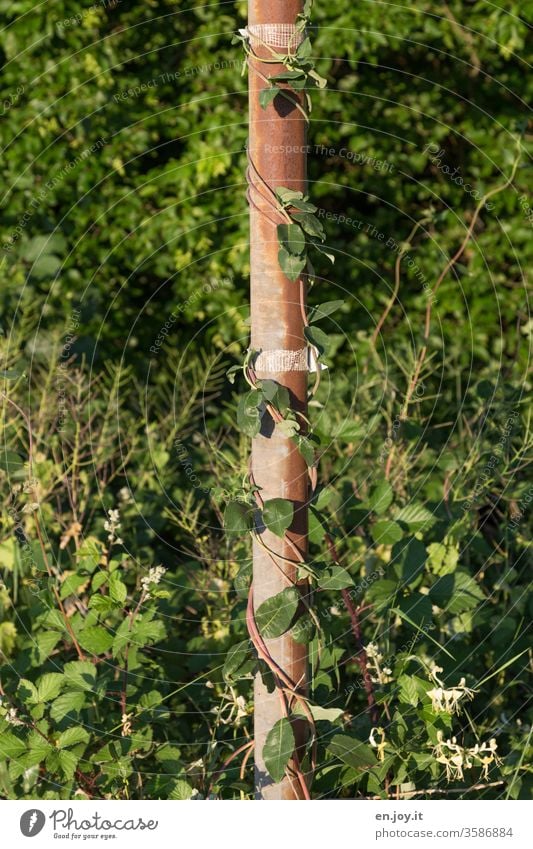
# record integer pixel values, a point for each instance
(280, 360)
(276, 35)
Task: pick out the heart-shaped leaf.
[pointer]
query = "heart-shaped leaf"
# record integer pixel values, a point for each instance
(292, 266)
(267, 95)
(310, 224)
(335, 578)
(248, 415)
(277, 515)
(275, 615)
(278, 748)
(237, 517)
(291, 237)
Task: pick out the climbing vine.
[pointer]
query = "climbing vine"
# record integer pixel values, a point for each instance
(397, 698)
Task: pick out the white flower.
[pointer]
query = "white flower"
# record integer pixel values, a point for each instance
(12, 717)
(486, 754)
(153, 577)
(372, 650)
(456, 758)
(126, 724)
(112, 524)
(374, 659)
(30, 485)
(433, 669)
(380, 746)
(448, 700)
(241, 707)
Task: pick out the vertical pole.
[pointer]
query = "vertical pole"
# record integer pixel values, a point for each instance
(277, 153)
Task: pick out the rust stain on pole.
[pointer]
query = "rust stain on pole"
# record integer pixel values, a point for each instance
(277, 151)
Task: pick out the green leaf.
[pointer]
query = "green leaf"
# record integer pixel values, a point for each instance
(72, 736)
(325, 309)
(381, 498)
(321, 714)
(95, 639)
(45, 644)
(318, 338)
(103, 604)
(71, 584)
(336, 578)
(80, 675)
(248, 415)
(350, 431)
(408, 690)
(145, 632)
(306, 449)
(317, 526)
(386, 533)
(352, 752)
(288, 428)
(68, 761)
(292, 266)
(276, 394)
(310, 224)
(456, 592)
(412, 560)
(49, 686)
(27, 692)
(418, 607)
(47, 265)
(304, 50)
(288, 196)
(239, 661)
(232, 372)
(242, 579)
(267, 95)
(46, 244)
(278, 514)
(123, 637)
(278, 748)
(275, 615)
(303, 629)
(67, 704)
(291, 237)
(11, 746)
(11, 462)
(303, 206)
(238, 518)
(181, 790)
(442, 559)
(117, 589)
(288, 76)
(416, 516)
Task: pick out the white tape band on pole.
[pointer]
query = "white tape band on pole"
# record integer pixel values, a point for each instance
(280, 360)
(284, 36)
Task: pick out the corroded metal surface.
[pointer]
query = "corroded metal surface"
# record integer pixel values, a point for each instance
(277, 151)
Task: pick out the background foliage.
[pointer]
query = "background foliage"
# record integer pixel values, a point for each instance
(124, 263)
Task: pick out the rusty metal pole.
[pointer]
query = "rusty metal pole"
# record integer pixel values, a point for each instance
(277, 151)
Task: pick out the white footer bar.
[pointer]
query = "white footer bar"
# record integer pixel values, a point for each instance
(271, 825)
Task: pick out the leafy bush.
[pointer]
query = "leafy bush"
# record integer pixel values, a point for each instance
(125, 271)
